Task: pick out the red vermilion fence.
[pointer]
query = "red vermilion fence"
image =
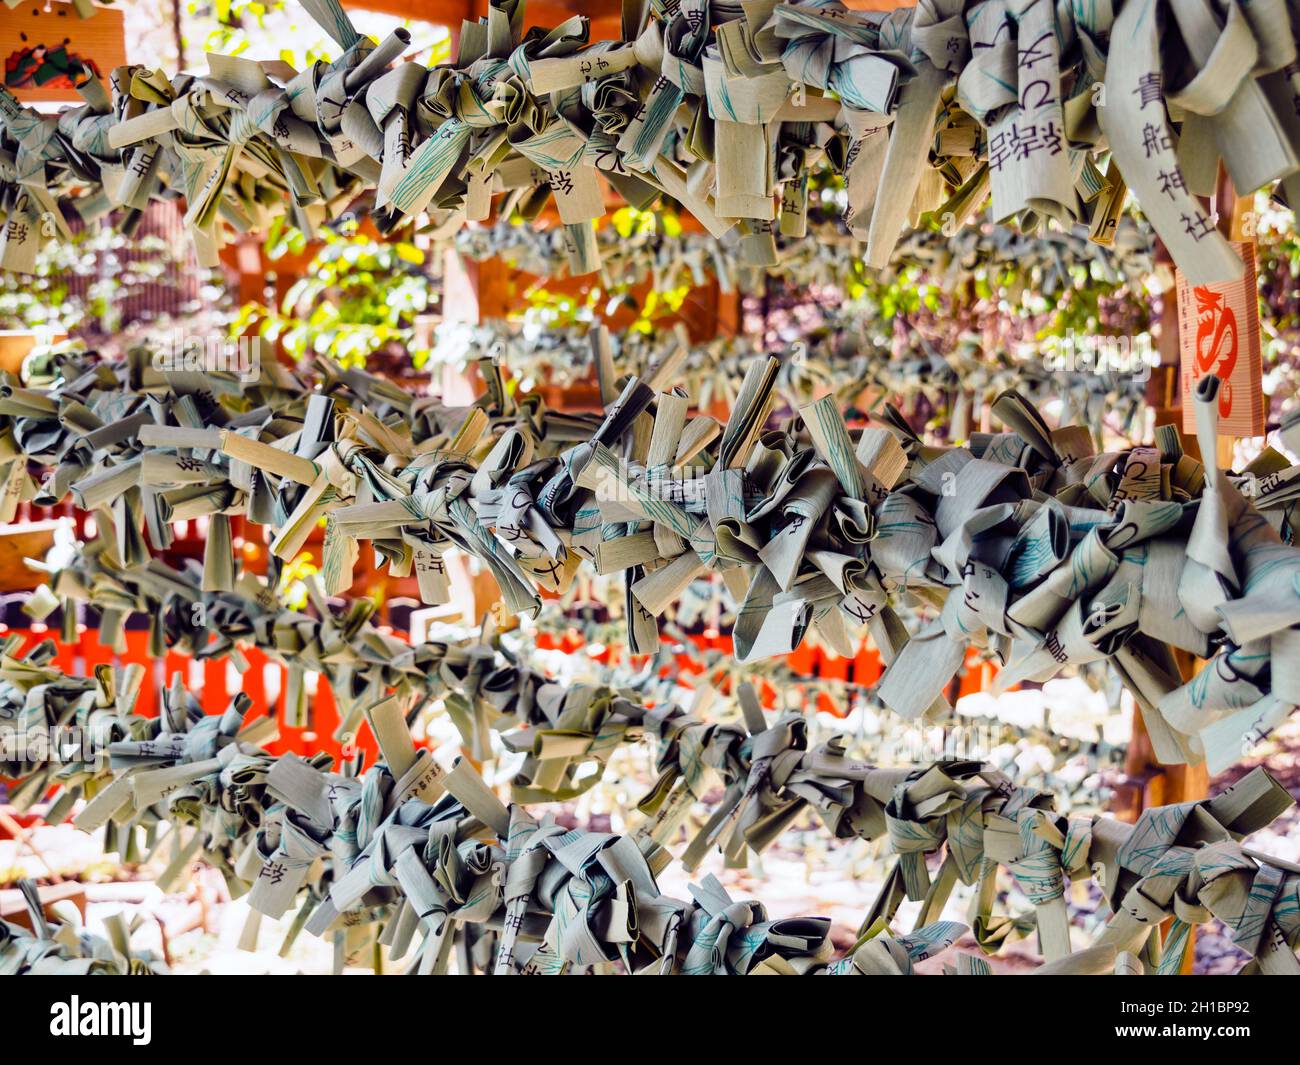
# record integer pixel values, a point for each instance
(864, 669)
(214, 682)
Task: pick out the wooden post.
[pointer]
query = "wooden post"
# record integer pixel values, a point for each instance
(1161, 785)
(1232, 213)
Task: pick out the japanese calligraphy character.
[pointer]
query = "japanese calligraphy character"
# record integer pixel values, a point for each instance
(1197, 225)
(560, 181)
(1150, 89)
(1171, 180)
(1030, 55)
(272, 871)
(999, 151)
(1155, 139)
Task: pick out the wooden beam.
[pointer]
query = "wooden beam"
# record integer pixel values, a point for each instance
(604, 14)
(23, 540)
(13, 907)
(437, 12)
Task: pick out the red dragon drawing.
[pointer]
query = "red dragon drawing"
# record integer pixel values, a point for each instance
(1216, 342)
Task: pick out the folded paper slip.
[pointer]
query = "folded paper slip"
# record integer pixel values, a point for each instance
(731, 114)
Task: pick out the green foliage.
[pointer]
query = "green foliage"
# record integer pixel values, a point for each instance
(907, 293)
(292, 589)
(1078, 300)
(231, 27)
(356, 296)
(558, 310)
(45, 299)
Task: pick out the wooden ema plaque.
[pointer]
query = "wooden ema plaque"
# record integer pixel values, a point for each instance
(1218, 332)
(48, 47)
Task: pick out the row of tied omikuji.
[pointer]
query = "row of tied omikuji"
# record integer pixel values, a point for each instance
(738, 114)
